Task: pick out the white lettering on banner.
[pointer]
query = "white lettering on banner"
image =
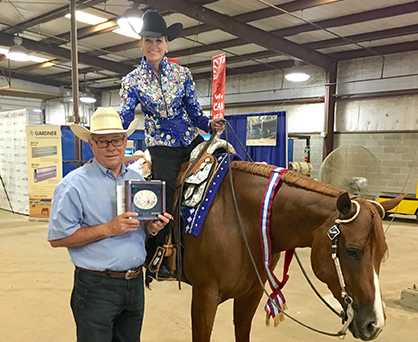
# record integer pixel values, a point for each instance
(218, 86)
(218, 106)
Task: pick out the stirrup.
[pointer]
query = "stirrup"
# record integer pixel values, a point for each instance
(156, 260)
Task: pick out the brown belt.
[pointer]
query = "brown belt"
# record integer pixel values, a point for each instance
(129, 274)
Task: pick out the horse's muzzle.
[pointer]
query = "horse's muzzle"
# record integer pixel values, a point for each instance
(367, 332)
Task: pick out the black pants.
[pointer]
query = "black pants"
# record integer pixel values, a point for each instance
(166, 163)
(107, 309)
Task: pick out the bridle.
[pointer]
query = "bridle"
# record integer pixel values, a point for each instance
(333, 233)
(349, 313)
(240, 221)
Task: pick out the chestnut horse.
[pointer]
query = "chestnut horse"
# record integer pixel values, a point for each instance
(218, 265)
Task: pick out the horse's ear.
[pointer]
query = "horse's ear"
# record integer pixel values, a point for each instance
(344, 203)
(392, 203)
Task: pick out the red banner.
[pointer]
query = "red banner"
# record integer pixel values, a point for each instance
(173, 60)
(218, 86)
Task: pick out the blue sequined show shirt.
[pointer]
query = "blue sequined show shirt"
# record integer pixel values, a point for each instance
(171, 110)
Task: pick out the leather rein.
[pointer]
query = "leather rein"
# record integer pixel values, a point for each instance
(332, 233)
(349, 314)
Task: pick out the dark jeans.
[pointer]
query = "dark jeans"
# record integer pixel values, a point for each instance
(166, 163)
(107, 309)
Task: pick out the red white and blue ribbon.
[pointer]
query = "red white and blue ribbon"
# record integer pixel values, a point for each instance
(276, 303)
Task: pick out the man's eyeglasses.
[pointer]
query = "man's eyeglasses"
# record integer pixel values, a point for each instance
(102, 143)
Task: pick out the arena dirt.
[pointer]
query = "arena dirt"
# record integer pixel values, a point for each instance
(36, 280)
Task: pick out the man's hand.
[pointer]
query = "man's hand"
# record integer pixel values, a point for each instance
(153, 227)
(83, 236)
(123, 223)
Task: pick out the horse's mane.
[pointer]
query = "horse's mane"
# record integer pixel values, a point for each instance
(290, 177)
(377, 232)
(297, 179)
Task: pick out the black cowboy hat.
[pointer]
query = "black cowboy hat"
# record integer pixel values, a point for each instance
(154, 25)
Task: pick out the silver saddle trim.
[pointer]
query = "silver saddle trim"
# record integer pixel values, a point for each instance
(216, 144)
(196, 184)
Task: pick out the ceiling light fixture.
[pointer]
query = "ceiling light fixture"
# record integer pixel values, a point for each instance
(131, 20)
(297, 74)
(87, 18)
(40, 60)
(18, 52)
(87, 98)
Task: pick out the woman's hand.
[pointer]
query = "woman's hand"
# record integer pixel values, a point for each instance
(218, 124)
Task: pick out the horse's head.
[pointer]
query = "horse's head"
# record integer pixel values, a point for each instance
(359, 245)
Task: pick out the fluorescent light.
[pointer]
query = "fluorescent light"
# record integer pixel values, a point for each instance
(31, 58)
(17, 52)
(87, 98)
(127, 33)
(297, 76)
(296, 73)
(87, 18)
(131, 20)
(37, 110)
(38, 59)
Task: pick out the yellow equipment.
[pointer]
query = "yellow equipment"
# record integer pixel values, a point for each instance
(408, 206)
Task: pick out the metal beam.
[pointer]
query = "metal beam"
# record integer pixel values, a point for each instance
(322, 44)
(377, 51)
(85, 32)
(293, 6)
(329, 112)
(347, 19)
(55, 14)
(261, 14)
(364, 37)
(248, 33)
(401, 47)
(81, 72)
(237, 59)
(245, 17)
(39, 79)
(117, 67)
(355, 18)
(360, 53)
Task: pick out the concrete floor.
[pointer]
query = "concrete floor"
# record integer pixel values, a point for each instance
(36, 280)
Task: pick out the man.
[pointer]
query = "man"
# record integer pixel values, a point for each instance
(107, 250)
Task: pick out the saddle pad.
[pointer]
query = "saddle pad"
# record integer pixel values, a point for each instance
(195, 216)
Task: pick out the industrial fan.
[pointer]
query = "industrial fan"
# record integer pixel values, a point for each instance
(354, 169)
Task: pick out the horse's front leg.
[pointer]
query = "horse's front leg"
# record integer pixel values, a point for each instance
(204, 305)
(244, 310)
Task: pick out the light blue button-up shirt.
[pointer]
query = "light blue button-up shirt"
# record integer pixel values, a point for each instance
(87, 197)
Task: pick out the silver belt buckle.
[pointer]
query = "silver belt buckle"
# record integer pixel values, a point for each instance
(128, 274)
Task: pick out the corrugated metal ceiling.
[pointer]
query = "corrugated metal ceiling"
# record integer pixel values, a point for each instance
(325, 32)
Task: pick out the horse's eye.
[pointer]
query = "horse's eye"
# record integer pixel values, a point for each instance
(354, 253)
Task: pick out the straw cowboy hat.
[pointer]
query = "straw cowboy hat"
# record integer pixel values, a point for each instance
(154, 25)
(105, 120)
